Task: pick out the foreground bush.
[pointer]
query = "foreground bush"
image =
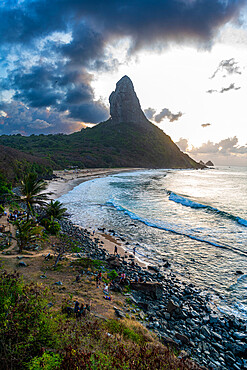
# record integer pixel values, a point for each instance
(25, 326)
(34, 338)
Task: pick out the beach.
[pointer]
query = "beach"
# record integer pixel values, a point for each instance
(66, 180)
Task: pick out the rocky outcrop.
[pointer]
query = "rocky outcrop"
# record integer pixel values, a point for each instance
(124, 103)
(209, 163)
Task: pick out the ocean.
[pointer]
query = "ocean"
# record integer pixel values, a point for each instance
(195, 219)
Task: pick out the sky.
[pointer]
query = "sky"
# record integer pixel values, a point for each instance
(187, 59)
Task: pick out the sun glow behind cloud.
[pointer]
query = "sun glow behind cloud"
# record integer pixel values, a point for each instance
(179, 78)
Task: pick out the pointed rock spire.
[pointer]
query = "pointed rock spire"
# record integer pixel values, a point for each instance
(124, 103)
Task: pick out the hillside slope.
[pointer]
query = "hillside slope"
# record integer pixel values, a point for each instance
(15, 163)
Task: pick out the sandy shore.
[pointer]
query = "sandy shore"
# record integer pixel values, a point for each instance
(66, 180)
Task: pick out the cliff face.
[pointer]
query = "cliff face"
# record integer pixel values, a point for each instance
(124, 103)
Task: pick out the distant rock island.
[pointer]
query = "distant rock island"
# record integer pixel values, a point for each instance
(208, 163)
(126, 139)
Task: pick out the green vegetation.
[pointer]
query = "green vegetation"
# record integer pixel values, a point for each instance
(6, 193)
(112, 275)
(52, 227)
(25, 325)
(15, 163)
(31, 192)
(35, 337)
(105, 145)
(86, 263)
(55, 209)
(27, 232)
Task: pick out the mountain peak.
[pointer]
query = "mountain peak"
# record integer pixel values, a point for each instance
(124, 103)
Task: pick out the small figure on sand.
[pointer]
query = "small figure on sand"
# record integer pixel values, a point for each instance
(134, 250)
(115, 250)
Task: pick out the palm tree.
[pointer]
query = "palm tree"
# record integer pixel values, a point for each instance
(56, 210)
(31, 192)
(27, 232)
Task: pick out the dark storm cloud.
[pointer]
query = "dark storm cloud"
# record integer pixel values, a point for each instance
(166, 113)
(144, 21)
(24, 120)
(229, 66)
(60, 77)
(57, 86)
(205, 125)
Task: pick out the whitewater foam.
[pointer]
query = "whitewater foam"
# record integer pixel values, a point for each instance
(171, 228)
(192, 204)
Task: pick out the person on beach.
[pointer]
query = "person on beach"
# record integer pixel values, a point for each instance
(134, 251)
(115, 250)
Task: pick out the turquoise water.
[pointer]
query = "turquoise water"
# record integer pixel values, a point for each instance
(195, 219)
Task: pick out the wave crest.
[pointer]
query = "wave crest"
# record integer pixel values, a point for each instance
(192, 204)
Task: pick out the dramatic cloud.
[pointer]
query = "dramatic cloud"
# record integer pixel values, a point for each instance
(223, 152)
(224, 89)
(49, 49)
(205, 125)
(229, 66)
(166, 113)
(21, 119)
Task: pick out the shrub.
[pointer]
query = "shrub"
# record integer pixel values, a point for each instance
(112, 275)
(48, 361)
(86, 262)
(25, 326)
(51, 226)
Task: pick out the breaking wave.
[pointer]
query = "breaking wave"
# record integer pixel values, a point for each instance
(190, 203)
(172, 228)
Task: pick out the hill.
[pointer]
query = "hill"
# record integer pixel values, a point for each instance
(127, 139)
(14, 164)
